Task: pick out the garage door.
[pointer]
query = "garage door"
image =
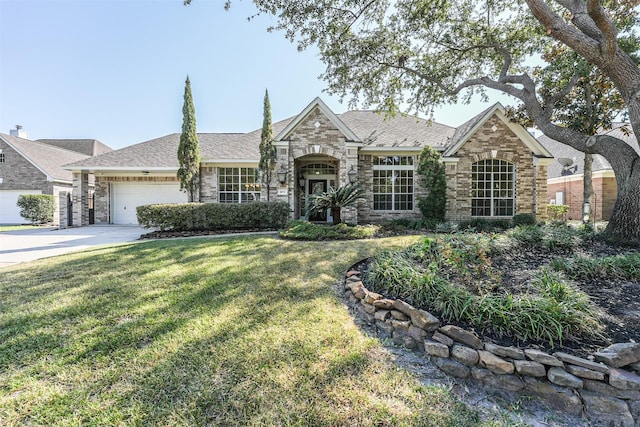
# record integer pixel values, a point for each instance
(9, 211)
(126, 197)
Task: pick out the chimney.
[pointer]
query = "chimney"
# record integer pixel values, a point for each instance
(19, 132)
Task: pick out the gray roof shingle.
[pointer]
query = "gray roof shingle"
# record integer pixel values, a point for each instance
(399, 131)
(90, 147)
(47, 157)
(369, 126)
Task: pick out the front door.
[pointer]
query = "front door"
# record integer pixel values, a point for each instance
(318, 186)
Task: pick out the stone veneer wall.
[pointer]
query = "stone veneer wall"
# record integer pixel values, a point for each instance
(510, 148)
(366, 214)
(309, 140)
(606, 390)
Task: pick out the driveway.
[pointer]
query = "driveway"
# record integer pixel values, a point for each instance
(28, 245)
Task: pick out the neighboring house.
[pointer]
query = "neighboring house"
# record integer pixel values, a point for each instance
(35, 167)
(494, 168)
(565, 177)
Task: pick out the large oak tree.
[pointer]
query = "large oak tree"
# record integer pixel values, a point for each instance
(416, 54)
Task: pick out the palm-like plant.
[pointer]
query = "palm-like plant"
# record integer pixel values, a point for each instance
(334, 199)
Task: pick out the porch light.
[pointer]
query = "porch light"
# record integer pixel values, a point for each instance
(282, 174)
(353, 175)
(301, 180)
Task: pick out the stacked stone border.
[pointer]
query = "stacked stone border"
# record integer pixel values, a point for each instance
(604, 387)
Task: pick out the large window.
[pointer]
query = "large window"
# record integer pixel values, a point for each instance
(393, 183)
(492, 188)
(238, 185)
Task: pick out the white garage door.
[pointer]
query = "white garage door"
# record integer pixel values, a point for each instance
(9, 211)
(126, 197)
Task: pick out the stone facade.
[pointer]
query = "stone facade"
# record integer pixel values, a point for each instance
(315, 138)
(494, 140)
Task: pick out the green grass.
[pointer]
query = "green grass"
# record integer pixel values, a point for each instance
(241, 331)
(4, 228)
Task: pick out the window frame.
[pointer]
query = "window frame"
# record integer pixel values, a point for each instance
(496, 190)
(398, 172)
(238, 177)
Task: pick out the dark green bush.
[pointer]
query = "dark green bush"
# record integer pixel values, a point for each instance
(434, 205)
(484, 225)
(523, 219)
(305, 230)
(214, 216)
(37, 208)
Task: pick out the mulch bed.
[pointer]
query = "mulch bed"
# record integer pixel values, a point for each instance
(618, 300)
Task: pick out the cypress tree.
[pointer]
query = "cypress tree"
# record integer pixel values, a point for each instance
(189, 150)
(267, 150)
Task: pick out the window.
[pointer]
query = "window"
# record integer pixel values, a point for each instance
(1, 157)
(393, 183)
(492, 188)
(238, 185)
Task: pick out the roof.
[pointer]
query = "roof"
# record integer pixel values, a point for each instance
(47, 158)
(371, 130)
(161, 153)
(90, 147)
(376, 131)
(563, 151)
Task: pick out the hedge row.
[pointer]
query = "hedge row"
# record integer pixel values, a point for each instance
(214, 216)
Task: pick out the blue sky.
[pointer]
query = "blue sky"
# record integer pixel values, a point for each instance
(114, 70)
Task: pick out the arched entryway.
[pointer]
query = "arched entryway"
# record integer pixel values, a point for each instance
(314, 175)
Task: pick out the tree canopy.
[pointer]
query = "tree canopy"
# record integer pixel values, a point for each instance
(412, 55)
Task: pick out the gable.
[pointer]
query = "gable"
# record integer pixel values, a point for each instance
(316, 118)
(479, 124)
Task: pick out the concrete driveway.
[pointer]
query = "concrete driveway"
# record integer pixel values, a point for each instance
(28, 245)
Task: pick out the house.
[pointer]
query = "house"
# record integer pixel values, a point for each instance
(565, 182)
(35, 167)
(495, 168)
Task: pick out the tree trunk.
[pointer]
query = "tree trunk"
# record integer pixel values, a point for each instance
(624, 225)
(335, 213)
(587, 190)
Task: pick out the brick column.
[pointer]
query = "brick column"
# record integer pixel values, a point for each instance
(62, 210)
(80, 198)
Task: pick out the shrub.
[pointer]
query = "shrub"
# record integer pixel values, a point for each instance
(37, 208)
(214, 216)
(557, 212)
(335, 199)
(550, 310)
(430, 166)
(622, 267)
(305, 230)
(484, 224)
(523, 219)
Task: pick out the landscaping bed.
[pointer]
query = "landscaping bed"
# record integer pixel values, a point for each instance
(553, 288)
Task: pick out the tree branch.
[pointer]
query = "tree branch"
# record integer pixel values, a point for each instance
(607, 28)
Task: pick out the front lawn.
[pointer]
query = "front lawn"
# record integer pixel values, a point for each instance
(241, 331)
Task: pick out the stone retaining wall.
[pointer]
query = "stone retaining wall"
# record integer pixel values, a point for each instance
(605, 387)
